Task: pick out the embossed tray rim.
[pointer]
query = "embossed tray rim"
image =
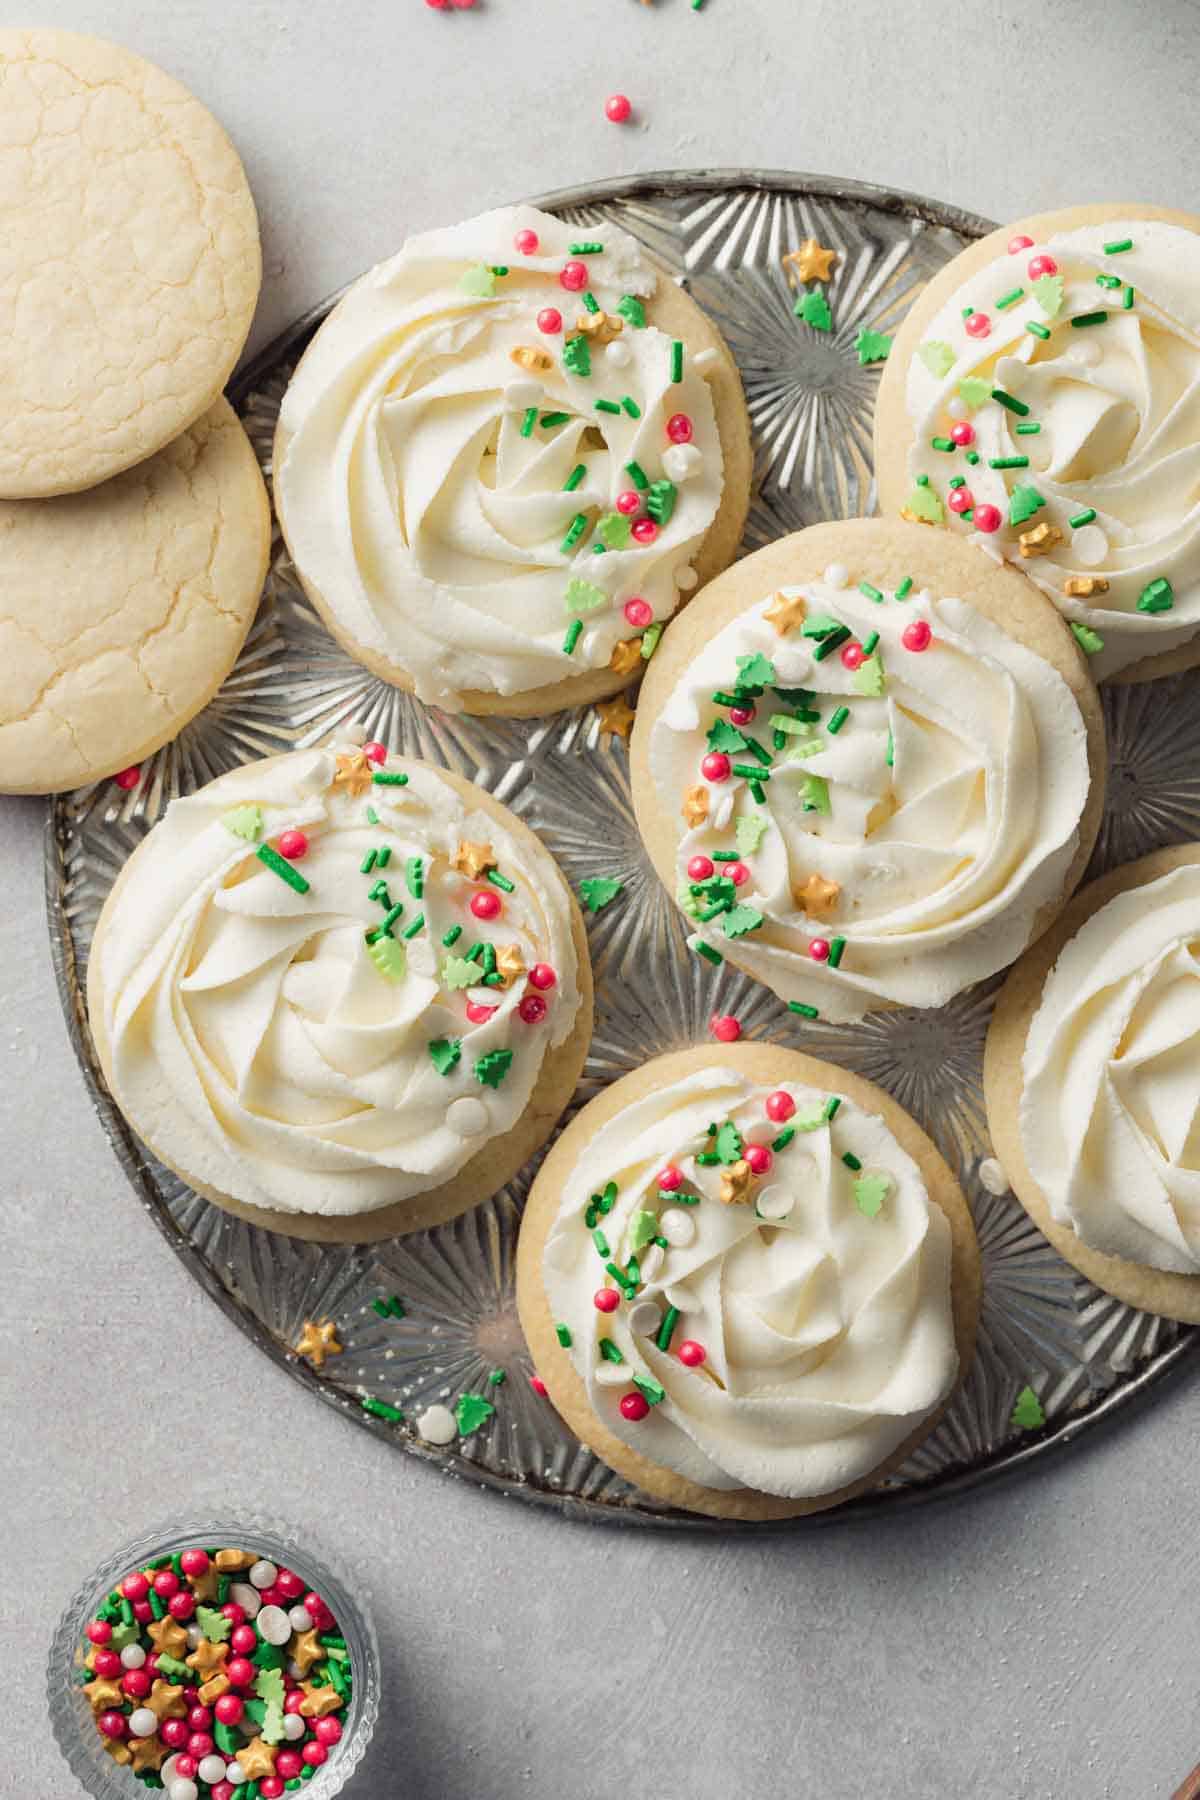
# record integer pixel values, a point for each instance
(1010, 1458)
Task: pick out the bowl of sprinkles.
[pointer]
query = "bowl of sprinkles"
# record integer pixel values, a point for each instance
(214, 1661)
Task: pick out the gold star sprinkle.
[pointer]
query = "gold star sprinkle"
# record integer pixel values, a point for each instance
(616, 718)
(626, 656)
(148, 1753)
(810, 261)
(204, 1587)
(208, 1658)
(737, 1179)
(509, 963)
(167, 1702)
(785, 612)
(168, 1637)
(914, 518)
(1082, 587)
(256, 1759)
(1037, 542)
(695, 806)
(305, 1650)
(353, 772)
(317, 1702)
(212, 1690)
(103, 1695)
(317, 1341)
(473, 860)
(529, 356)
(817, 896)
(118, 1749)
(231, 1561)
(601, 326)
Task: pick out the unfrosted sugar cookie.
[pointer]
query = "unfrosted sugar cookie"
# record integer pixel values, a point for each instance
(748, 1281)
(1043, 397)
(131, 262)
(869, 765)
(341, 993)
(507, 453)
(1092, 1076)
(123, 609)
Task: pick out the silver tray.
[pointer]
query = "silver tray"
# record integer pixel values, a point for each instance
(1087, 1356)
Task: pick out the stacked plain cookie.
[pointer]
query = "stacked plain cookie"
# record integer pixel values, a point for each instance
(134, 524)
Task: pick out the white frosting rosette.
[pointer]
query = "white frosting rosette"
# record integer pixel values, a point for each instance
(788, 1340)
(449, 468)
(1110, 1110)
(331, 1029)
(1070, 370)
(889, 821)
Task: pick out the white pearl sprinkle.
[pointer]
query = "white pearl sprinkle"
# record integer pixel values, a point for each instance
(133, 1656)
(682, 461)
(677, 1226)
(233, 1770)
(183, 1789)
(294, 1670)
(437, 1425)
(468, 1116)
(992, 1177)
(651, 1261)
(246, 1597)
(300, 1618)
(211, 1768)
(263, 1574)
(775, 1202)
(1089, 545)
(619, 354)
(194, 1636)
(722, 812)
(143, 1722)
(274, 1625)
(293, 1728)
(685, 578)
(354, 733)
(836, 575)
(645, 1318)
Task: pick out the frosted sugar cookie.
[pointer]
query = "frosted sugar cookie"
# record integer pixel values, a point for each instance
(340, 993)
(869, 764)
(509, 451)
(123, 609)
(748, 1281)
(1092, 1076)
(131, 262)
(1043, 396)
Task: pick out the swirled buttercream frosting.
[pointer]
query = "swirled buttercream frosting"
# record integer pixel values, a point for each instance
(489, 452)
(748, 1316)
(327, 982)
(1110, 1108)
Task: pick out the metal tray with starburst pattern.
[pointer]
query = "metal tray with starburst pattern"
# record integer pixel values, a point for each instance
(723, 235)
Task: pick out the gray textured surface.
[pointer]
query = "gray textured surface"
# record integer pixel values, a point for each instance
(1037, 1641)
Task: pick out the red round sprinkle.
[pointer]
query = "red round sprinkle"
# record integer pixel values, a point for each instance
(606, 1300)
(818, 949)
(741, 715)
(271, 1786)
(679, 428)
(532, 1009)
(853, 656)
(549, 321)
(288, 1763)
(987, 518)
(692, 1353)
(617, 108)
(135, 1586)
(644, 531)
(438, 5)
(375, 752)
(700, 868)
(174, 1733)
(634, 1406)
(127, 779)
(99, 1631)
(780, 1107)
(628, 501)
(230, 1707)
(962, 433)
(1019, 242)
(295, 1700)
(199, 1719)
(314, 1753)
(542, 976)
(916, 636)
(478, 1014)
(143, 1612)
(289, 1585)
(234, 1613)
(107, 1664)
(194, 1562)
(241, 1671)
(716, 766)
(244, 1641)
(725, 1028)
(222, 1790)
(322, 1618)
(759, 1158)
(1042, 265)
(166, 1583)
(200, 1745)
(960, 500)
(526, 242)
(538, 1385)
(639, 613)
(293, 845)
(485, 904)
(136, 1683)
(181, 1607)
(328, 1731)
(737, 873)
(111, 1724)
(271, 1596)
(573, 276)
(185, 1767)
(670, 1178)
(978, 325)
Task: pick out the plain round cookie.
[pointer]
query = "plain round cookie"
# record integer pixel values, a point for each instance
(676, 314)
(885, 550)
(130, 265)
(768, 1064)
(496, 1161)
(123, 609)
(1164, 1291)
(894, 433)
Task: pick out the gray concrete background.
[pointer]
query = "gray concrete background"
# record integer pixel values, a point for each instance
(1037, 1640)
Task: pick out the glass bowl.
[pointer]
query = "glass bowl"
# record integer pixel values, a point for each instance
(71, 1716)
